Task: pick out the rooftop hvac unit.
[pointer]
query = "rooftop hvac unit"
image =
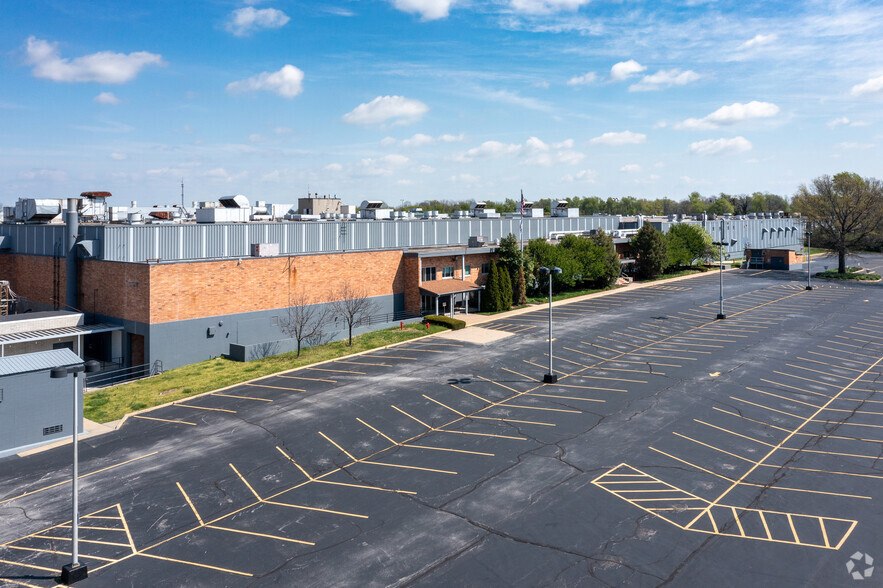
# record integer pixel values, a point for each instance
(42, 210)
(371, 205)
(478, 207)
(477, 241)
(562, 208)
(235, 201)
(530, 211)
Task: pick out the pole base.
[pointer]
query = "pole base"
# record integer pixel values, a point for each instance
(809, 287)
(74, 573)
(550, 378)
(720, 317)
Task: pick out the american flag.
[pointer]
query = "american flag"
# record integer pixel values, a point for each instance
(521, 225)
(522, 203)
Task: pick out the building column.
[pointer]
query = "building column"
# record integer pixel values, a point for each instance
(466, 303)
(436, 304)
(452, 305)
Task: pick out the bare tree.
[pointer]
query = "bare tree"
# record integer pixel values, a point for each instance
(303, 321)
(353, 306)
(847, 211)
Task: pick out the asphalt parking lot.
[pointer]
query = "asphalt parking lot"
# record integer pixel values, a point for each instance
(674, 449)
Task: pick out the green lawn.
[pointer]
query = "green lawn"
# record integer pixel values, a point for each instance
(113, 403)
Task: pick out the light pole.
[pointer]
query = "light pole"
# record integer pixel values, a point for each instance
(550, 378)
(808, 256)
(731, 242)
(75, 571)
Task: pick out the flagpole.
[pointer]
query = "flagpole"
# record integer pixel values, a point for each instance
(521, 231)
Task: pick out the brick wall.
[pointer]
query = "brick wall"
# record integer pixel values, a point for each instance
(115, 289)
(183, 291)
(31, 276)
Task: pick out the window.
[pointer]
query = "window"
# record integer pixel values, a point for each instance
(447, 273)
(427, 274)
(427, 304)
(467, 272)
(485, 268)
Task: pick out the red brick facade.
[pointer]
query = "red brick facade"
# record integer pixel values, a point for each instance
(158, 293)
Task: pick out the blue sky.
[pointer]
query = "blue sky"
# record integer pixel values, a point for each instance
(451, 99)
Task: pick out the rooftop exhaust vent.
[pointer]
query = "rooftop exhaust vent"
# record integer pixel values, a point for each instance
(235, 201)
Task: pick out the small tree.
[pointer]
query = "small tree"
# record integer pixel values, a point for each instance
(505, 281)
(303, 321)
(490, 302)
(651, 252)
(688, 243)
(519, 292)
(605, 266)
(353, 306)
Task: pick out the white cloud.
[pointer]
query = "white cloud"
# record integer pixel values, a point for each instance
(586, 175)
(447, 138)
(853, 145)
(256, 138)
(283, 130)
(536, 144)
(466, 178)
(418, 140)
(104, 67)
(387, 141)
(404, 182)
(585, 79)
(427, 9)
(565, 144)
(398, 110)
(540, 153)
(546, 6)
(53, 175)
(630, 168)
(287, 82)
(569, 157)
(488, 149)
(757, 41)
(118, 156)
(664, 79)
(244, 21)
(720, 146)
(872, 86)
(394, 159)
(727, 115)
(333, 167)
(616, 139)
(507, 97)
(106, 98)
(625, 69)
(425, 169)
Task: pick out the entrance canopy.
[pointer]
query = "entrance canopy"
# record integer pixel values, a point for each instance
(454, 290)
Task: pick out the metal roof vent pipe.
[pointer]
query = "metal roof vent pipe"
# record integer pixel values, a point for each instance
(71, 233)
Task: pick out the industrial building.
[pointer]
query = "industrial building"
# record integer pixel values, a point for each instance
(182, 291)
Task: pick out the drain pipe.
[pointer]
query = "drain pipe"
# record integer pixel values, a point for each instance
(72, 230)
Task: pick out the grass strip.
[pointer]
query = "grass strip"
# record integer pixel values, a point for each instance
(114, 402)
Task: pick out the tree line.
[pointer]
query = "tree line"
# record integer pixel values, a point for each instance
(695, 203)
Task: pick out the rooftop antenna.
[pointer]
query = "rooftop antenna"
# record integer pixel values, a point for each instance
(182, 197)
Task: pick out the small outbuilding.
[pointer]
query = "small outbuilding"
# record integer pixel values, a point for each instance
(780, 259)
(34, 408)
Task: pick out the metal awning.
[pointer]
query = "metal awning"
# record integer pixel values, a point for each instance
(43, 334)
(445, 287)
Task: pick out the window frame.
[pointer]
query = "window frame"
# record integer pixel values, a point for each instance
(448, 273)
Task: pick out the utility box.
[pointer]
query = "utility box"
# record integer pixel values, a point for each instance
(264, 249)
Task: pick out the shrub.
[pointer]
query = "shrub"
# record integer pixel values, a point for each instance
(849, 275)
(445, 321)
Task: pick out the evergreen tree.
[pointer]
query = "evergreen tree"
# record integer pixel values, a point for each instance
(505, 286)
(490, 301)
(606, 267)
(519, 294)
(651, 252)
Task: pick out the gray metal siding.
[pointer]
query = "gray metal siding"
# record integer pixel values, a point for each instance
(138, 243)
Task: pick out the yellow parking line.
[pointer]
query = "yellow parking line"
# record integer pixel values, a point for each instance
(199, 565)
(139, 416)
